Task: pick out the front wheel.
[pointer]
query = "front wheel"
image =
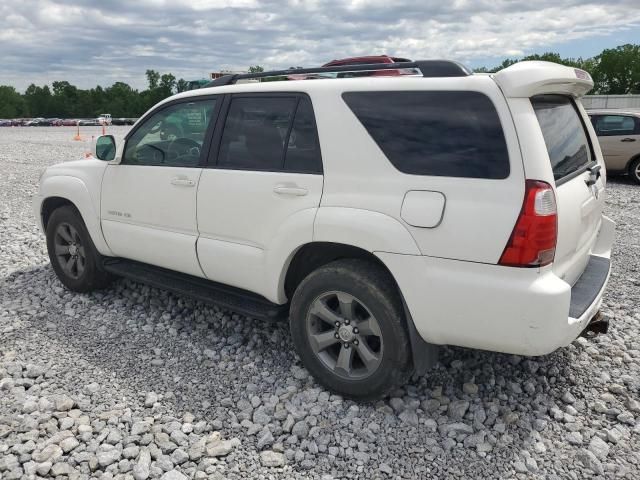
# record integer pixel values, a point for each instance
(348, 327)
(73, 256)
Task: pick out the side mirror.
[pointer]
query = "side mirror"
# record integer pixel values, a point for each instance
(106, 148)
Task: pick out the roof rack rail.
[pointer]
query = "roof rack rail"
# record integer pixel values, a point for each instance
(428, 68)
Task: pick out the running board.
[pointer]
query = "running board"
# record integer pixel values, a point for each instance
(206, 291)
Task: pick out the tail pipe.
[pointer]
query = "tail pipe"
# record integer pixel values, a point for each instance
(598, 324)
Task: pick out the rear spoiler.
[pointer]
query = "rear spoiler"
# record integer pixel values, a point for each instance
(526, 79)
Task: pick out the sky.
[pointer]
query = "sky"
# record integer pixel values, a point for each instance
(88, 42)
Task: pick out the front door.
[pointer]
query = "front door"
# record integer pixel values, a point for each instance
(148, 207)
(265, 185)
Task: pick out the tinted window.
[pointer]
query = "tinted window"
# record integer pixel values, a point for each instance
(255, 132)
(564, 134)
(172, 136)
(454, 134)
(303, 152)
(611, 125)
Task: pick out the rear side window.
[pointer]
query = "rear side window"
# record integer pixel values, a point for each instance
(613, 125)
(453, 134)
(564, 134)
(272, 134)
(303, 150)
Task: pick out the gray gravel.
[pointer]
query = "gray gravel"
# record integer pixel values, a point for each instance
(134, 382)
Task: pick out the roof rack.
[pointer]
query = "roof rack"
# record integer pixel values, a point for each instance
(428, 68)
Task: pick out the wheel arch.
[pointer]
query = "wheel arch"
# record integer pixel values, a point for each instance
(63, 190)
(50, 204)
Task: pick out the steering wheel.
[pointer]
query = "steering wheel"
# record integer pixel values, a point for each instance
(183, 147)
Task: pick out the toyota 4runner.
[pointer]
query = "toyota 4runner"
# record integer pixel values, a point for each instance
(382, 215)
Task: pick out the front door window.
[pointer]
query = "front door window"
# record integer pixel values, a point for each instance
(173, 136)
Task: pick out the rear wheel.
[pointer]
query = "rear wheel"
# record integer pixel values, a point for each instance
(634, 170)
(348, 328)
(73, 256)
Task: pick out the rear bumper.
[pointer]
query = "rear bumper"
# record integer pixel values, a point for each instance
(490, 307)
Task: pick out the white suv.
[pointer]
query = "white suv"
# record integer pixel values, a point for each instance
(383, 215)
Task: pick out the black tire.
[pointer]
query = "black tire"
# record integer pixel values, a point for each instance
(90, 276)
(634, 170)
(376, 296)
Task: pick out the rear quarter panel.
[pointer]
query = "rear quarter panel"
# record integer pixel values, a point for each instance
(479, 213)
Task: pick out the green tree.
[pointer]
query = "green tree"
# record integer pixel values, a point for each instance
(12, 105)
(182, 85)
(153, 78)
(167, 84)
(38, 100)
(256, 69)
(618, 70)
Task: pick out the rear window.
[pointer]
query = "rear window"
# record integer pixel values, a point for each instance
(564, 134)
(452, 134)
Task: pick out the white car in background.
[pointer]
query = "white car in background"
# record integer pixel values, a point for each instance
(383, 216)
(104, 119)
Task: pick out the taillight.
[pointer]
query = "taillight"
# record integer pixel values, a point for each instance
(533, 240)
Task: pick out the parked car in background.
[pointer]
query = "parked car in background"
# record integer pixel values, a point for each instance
(69, 122)
(370, 60)
(104, 119)
(89, 122)
(618, 132)
(123, 121)
(6, 123)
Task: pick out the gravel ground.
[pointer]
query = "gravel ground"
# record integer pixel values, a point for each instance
(134, 382)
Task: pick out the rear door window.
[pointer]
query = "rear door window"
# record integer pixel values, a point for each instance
(439, 133)
(564, 134)
(270, 134)
(255, 132)
(614, 125)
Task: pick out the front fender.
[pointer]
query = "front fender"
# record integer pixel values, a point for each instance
(74, 190)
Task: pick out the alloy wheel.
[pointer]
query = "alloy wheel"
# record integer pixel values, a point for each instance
(344, 335)
(69, 250)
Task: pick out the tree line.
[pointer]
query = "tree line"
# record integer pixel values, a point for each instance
(614, 71)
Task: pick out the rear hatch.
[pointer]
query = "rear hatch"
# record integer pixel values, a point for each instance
(579, 182)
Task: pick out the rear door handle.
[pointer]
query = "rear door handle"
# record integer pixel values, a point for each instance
(182, 182)
(290, 190)
(628, 140)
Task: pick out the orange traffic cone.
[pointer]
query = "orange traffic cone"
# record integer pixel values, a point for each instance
(104, 131)
(78, 138)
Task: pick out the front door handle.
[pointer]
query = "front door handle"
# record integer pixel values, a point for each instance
(628, 140)
(290, 190)
(182, 182)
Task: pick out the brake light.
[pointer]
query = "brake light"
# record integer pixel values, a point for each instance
(533, 240)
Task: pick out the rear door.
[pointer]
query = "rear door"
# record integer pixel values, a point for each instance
(579, 184)
(619, 137)
(265, 178)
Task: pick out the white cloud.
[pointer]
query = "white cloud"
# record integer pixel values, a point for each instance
(87, 42)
